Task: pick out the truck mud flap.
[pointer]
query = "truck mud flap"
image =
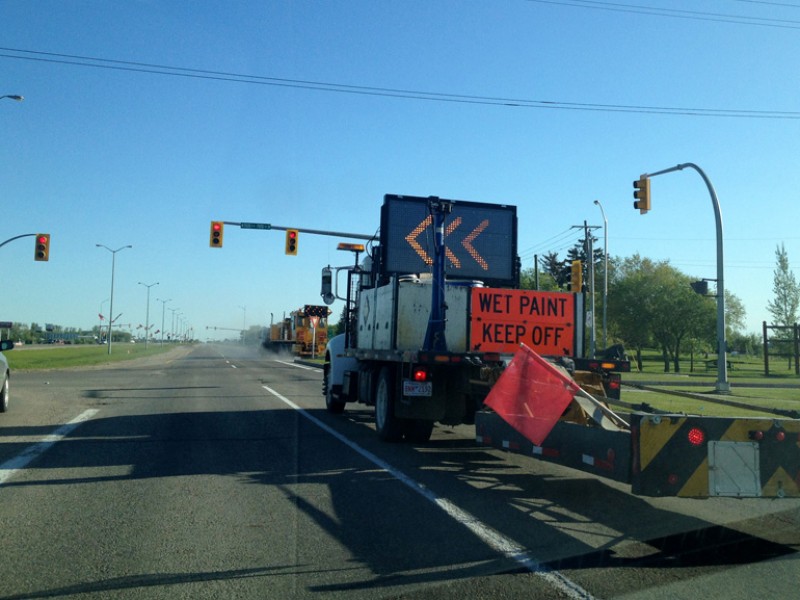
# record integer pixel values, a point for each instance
(590, 449)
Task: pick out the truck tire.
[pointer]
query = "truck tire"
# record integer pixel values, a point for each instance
(388, 426)
(418, 430)
(335, 407)
(4, 395)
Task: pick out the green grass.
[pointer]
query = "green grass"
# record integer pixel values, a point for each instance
(749, 386)
(61, 357)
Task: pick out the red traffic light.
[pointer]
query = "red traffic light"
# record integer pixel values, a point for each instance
(215, 240)
(291, 242)
(42, 249)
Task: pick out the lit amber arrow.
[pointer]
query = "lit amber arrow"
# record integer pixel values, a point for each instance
(411, 238)
(447, 252)
(467, 243)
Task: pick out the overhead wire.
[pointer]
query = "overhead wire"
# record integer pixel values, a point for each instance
(675, 13)
(408, 94)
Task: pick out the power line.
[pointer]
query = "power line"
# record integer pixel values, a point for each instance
(676, 13)
(166, 70)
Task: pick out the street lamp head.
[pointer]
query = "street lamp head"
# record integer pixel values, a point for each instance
(597, 202)
(16, 97)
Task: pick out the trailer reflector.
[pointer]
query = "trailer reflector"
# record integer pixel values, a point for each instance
(696, 436)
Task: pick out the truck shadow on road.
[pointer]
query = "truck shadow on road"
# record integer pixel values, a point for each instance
(563, 519)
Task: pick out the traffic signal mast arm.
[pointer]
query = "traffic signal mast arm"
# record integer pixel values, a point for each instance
(722, 385)
(355, 236)
(18, 237)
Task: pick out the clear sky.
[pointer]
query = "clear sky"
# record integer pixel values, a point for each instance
(144, 120)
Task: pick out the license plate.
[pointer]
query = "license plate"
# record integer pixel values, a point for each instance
(417, 388)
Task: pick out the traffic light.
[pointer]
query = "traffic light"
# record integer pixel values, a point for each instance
(576, 277)
(217, 229)
(42, 249)
(291, 242)
(642, 194)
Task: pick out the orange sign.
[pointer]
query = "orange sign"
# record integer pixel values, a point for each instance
(502, 319)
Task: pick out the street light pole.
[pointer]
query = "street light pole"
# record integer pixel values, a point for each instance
(172, 326)
(722, 386)
(163, 306)
(147, 313)
(605, 276)
(111, 306)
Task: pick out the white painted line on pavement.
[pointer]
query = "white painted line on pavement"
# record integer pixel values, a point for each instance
(12, 465)
(491, 537)
(291, 364)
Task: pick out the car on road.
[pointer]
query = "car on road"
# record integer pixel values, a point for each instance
(4, 345)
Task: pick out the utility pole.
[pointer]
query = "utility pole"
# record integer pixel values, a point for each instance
(588, 249)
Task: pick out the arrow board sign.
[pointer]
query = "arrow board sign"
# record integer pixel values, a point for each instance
(480, 239)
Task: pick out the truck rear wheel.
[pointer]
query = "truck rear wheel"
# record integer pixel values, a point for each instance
(389, 427)
(418, 430)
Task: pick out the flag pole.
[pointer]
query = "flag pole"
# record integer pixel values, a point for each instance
(618, 421)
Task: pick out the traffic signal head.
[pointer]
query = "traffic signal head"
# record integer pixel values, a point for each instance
(576, 277)
(291, 242)
(42, 249)
(641, 192)
(217, 228)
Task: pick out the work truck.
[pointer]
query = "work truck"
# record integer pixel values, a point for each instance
(439, 331)
(303, 333)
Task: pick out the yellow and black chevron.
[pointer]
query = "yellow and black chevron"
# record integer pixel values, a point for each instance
(698, 457)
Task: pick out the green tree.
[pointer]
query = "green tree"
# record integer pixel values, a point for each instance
(735, 314)
(784, 306)
(629, 302)
(527, 281)
(651, 303)
(556, 269)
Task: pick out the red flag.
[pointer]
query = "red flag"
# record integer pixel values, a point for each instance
(531, 395)
(102, 318)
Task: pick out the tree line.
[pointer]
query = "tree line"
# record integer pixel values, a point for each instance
(651, 304)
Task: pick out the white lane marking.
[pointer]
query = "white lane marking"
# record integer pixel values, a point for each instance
(491, 537)
(291, 364)
(12, 465)
(234, 367)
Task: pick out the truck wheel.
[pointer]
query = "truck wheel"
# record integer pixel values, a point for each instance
(389, 427)
(418, 430)
(335, 407)
(4, 395)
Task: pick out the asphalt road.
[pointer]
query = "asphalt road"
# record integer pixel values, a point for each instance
(217, 473)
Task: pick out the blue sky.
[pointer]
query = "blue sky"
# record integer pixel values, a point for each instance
(125, 155)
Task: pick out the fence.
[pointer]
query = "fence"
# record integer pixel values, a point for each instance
(786, 345)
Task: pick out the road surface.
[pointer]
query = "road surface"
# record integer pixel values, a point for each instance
(215, 472)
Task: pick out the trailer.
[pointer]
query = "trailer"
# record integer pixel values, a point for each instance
(437, 327)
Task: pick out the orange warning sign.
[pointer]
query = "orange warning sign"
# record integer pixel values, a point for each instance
(502, 319)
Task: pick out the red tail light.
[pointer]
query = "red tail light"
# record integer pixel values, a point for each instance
(419, 375)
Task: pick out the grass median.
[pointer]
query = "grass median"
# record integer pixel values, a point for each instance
(62, 357)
